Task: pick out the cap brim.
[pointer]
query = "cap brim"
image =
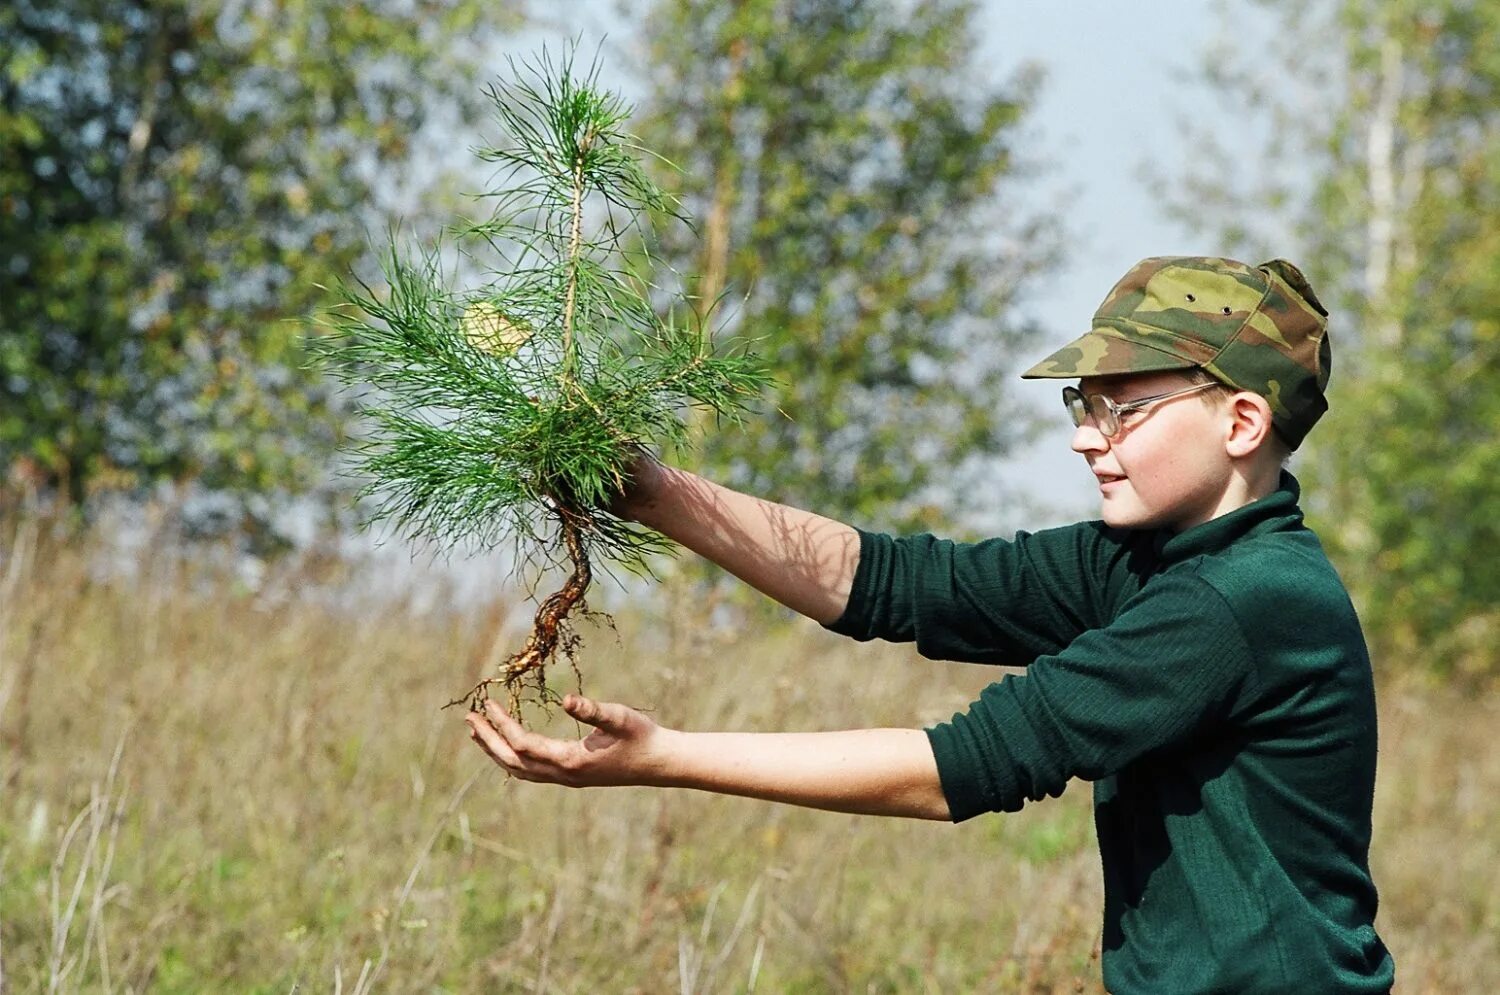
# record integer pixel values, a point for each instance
(1104, 352)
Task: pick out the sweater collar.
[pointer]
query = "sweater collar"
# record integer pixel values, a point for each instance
(1276, 512)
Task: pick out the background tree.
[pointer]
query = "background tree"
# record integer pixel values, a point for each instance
(176, 177)
(1400, 229)
(854, 173)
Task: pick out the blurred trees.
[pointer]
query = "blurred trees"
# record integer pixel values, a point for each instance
(176, 179)
(854, 174)
(1400, 225)
(176, 176)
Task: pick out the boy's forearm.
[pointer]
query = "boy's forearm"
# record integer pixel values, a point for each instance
(803, 560)
(863, 771)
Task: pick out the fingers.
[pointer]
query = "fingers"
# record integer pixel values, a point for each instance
(492, 742)
(529, 746)
(526, 755)
(583, 709)
(512, 730)
(611, 754)
(605, 715)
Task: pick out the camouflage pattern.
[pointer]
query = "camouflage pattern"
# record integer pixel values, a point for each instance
(1257, 328)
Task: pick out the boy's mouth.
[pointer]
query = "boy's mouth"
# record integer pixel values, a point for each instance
(1108, 478)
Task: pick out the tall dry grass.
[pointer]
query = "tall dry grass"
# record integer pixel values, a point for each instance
(209, 789)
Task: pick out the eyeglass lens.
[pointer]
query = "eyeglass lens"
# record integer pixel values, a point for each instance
(1080, 406)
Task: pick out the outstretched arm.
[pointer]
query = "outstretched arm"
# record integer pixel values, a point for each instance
(803, 560)
(865, 771)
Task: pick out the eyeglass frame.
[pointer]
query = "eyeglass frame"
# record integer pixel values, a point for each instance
(1114, 410)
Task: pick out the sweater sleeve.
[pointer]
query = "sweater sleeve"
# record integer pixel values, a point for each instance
(997, 601)
(1173, 662)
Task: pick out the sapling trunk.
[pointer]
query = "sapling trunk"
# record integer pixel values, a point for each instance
(512, 411)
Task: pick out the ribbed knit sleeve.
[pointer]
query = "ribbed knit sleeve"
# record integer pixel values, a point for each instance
(1173, 662)
(997, 601)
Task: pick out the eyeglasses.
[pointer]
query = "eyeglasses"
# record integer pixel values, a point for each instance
(1106, 413)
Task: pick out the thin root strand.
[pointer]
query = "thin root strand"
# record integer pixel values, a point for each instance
(549, 628)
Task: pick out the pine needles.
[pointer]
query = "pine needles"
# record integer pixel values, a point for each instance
(512, 411)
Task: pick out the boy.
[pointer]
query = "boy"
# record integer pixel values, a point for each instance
(1193, 653)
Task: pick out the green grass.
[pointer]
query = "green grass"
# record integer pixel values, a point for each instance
(291, 810)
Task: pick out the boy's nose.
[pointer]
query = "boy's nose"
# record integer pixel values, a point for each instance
(1088, 439)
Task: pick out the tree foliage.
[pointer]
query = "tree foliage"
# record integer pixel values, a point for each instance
(515, 408)
(856, 176)
(176, 176)
(1397, 209)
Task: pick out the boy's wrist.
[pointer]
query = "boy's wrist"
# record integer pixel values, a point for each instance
(667, 764)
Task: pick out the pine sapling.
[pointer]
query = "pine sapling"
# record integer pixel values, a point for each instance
(514, 409)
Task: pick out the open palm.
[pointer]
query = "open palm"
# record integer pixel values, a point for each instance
(620, 749)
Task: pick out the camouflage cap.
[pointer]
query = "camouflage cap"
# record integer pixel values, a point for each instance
(1257, 328)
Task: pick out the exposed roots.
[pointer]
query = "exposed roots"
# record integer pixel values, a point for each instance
(550, 629)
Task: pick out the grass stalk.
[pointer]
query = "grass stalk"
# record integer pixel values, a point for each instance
(100, 821)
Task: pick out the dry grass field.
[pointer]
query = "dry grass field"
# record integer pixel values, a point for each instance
(204, 789)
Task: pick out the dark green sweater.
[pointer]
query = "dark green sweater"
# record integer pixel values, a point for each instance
(1214, 685)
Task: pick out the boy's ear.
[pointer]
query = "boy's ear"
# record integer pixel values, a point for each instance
(1249, 424)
